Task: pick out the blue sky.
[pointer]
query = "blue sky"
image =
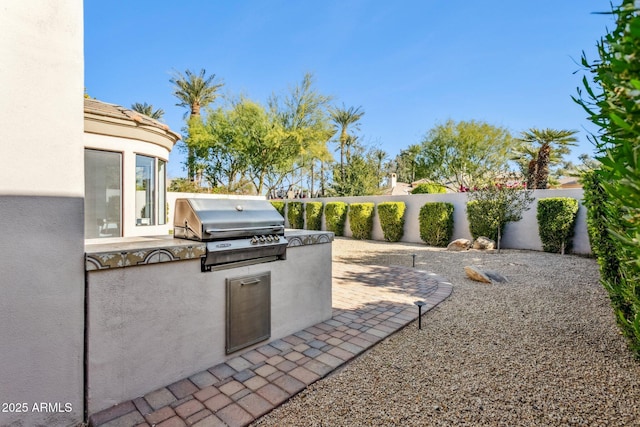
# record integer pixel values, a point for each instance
(409, 64)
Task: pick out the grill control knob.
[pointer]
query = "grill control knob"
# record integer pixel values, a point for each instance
(263, 239)
(269, 239)
(254, 240)
(276, 238)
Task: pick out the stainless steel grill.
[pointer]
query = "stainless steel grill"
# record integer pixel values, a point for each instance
(237, 232)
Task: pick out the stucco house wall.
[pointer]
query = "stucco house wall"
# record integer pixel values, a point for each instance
(41, 212)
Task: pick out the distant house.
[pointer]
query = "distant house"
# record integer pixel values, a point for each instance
(125, 161)
(569, 182)
(396, 188)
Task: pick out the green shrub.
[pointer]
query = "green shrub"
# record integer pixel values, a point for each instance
(556, 221)
(295, 214)
(613, 105)
(279, 207)
(361, 220)
(313, 213)
(602, 245)
(436, 223)
(480, 222)
(429, 188)
(335, 215)
(492, 207)
(391, 216)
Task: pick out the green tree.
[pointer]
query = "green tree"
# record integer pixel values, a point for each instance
(463, 154)
(405, 163)
(343, 118)
(544, 148)
(303, 115)
(612, 101)
(361, 176)
(147, 110)
(194, 91)
(496, 205)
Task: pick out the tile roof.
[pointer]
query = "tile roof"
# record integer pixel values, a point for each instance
(93, 106)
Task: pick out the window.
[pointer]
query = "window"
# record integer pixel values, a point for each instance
(103, 194)
(162, 192)
(145, 190)
(151, 197)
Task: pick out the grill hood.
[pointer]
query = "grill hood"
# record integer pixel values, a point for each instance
(222, 219)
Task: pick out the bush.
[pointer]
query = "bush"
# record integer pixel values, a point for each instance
(361, 220)
(391, 216)
(279, 207)
(295, 214)
(492, 207)
(429, 188)
(614, 107)
(436, 223)
(335, 215)
(556, 221)
(481, 224)
(313, 213)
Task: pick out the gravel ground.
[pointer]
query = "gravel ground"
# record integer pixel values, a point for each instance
(540, 350)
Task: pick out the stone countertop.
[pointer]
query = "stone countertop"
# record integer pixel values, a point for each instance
(101, 254)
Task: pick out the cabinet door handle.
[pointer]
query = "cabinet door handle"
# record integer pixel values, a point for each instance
(250, 282)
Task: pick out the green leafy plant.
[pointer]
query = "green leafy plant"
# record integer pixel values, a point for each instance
(429, 188)
(361, 220)
(436, 223)
(556, 222)
(279, 207)
(313, 212)
(295, 214)
(391, 216)
(602, 243)
(335, 215)
(612, 101)
(492, 207)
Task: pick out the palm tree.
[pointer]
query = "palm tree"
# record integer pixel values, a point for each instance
(194, 91)
(546, 139)
(147, 110)
(342, 119)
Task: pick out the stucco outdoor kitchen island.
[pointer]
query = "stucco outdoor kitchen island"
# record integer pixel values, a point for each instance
(153, 317)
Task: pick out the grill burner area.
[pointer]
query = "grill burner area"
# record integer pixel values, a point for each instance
(237, 232)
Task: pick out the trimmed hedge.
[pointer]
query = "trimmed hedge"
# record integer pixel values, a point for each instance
(361, 220)
(313, 213)
(279, 207)
(429, 188)
(480, 224)
(436, 223)
(391, 216)
(295, 214)
(335, 215)
(600, 211)
(556, 220)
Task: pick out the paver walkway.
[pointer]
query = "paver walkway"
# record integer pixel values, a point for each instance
(369, 304)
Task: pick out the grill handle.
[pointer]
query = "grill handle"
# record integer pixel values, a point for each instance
(252, 230)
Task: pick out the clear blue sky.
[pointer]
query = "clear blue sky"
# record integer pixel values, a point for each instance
(409, 64)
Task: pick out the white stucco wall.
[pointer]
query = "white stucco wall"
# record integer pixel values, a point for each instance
(41, 212)
(523, 234)
(150, 326)
(41, 113)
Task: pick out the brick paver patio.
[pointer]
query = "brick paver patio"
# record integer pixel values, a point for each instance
(369, 304)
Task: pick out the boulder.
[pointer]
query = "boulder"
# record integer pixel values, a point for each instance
(483, 242)
(484, 276)
(459, 245)
(495, 276)
(476, 274)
